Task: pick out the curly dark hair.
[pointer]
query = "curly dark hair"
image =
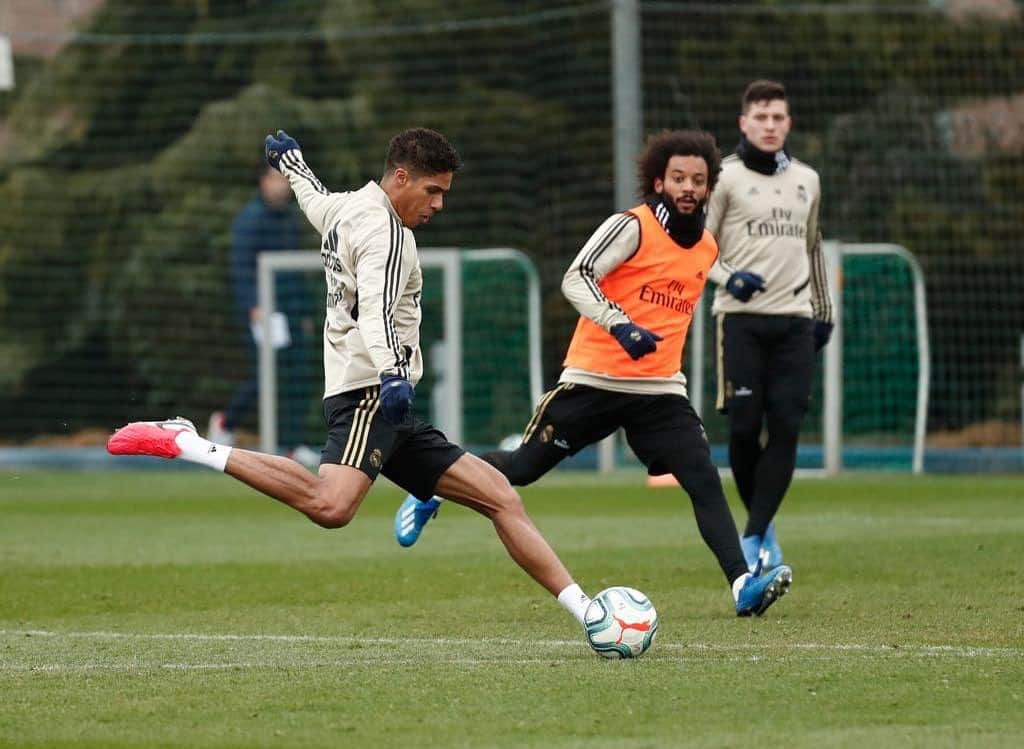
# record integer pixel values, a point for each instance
(423, 152)
(664, 145)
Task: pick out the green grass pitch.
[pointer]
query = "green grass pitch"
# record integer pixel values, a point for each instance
(182, 609)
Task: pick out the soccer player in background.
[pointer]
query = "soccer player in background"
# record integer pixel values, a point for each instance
(636, 283)
(372, 361)
(772, 308)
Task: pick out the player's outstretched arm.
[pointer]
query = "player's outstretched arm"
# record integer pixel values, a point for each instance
(283, 153)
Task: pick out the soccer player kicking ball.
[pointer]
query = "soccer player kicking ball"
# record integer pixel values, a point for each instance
(372, 362)
(636, 283)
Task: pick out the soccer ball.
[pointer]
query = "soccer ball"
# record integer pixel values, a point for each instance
(621, 623)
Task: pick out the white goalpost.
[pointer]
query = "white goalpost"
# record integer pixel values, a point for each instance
(445, 357)
(836, 253)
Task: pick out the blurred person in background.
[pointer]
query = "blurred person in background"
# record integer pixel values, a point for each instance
(772, 308)
(269, 223)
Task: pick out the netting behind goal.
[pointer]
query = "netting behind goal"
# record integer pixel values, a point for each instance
(131, 140)
(885, 356)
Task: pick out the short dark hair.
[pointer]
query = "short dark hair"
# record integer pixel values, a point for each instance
(663, 146)
(762, 90)
(423, 152)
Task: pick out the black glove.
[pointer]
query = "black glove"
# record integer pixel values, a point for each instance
(275, 146)
(742, 284)
(396, 394)
(635, 340)
(822, 332)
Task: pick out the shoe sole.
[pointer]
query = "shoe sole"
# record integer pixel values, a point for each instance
(776, 589)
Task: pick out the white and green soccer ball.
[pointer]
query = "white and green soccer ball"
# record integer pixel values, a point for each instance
(620, 622)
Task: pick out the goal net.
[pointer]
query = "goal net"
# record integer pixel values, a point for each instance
(133, 139)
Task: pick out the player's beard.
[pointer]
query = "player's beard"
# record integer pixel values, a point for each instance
(686, 229)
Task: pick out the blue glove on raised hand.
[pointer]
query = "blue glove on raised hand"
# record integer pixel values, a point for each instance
(396, 395)
(742, 284)
(275, 146)
(635, 340)
(822, 332)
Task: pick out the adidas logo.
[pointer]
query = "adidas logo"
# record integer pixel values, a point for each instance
(743, 391)
(562, 444)
(213, 449)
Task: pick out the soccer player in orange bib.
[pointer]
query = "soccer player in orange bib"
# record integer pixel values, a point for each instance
(636, 283)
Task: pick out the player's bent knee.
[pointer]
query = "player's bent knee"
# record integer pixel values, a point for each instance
(335, 496)
(331, 514)
(330, 518)
(695, 472)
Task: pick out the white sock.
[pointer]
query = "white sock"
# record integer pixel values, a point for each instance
(575, 601)
(195, 449)
(737, 585)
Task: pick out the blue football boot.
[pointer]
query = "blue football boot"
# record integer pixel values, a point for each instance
(751, 546)
(412, 516)
(761, 591)
(771, 552)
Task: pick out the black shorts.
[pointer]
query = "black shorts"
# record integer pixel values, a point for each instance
(766, 360)
(658, 427)
(414, 456)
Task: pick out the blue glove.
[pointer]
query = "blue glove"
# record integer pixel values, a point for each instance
(822, 332)
(274, 147)
(635, 340)
(742, 284)
(396, 395)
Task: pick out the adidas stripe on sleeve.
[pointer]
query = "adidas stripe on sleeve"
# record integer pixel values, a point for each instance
(615, 241)
(315, 200)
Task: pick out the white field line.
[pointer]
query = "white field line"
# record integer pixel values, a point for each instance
(429, 651)
(136, 667)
